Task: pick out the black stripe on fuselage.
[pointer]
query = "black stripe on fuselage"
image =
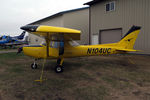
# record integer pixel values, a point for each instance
(30, 28)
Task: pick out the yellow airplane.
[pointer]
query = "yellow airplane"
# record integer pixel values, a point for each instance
(59, 44)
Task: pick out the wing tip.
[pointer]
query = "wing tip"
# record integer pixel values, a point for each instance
(30, 28)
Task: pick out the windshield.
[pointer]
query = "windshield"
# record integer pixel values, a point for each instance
(74, 43)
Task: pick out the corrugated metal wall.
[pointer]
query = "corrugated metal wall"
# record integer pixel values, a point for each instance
(57, 21)
(126, 14)
(75, 19)
(78, 20)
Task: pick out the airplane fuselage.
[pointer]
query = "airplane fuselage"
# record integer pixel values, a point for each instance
(40, 51)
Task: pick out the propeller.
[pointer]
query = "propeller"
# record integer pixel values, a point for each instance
(19, 50)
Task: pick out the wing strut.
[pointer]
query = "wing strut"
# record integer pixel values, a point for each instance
(47, 45)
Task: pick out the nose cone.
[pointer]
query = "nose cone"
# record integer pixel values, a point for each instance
(30, 28)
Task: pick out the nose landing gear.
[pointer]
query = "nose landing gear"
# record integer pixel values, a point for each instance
(34, 65)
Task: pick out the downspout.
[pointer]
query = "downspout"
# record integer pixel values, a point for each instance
(90, 25)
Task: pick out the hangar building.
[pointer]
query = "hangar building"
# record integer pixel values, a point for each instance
(109, 20)
(76, 19)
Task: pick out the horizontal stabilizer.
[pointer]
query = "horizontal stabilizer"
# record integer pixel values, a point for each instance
(128, 50)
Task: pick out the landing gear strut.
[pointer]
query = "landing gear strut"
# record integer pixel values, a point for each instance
(59, 67)
(34, 65)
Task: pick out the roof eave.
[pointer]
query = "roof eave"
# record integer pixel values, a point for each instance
(55, 15)
(93, 2)
(58, 14)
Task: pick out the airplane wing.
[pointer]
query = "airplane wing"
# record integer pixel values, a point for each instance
(53, 33)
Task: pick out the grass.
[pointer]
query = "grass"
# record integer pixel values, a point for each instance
(10, 61)
(90, 78)
(8, 56)
(8, 48)
(91, 93)
(16, 69)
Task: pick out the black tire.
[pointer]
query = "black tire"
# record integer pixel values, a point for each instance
(59, 69)
(34, 66)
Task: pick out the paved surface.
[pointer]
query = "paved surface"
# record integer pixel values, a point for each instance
(7, 51)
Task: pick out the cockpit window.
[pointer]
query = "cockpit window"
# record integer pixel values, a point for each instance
(56, 44)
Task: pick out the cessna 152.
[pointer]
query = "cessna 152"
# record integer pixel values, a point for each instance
(58, 44)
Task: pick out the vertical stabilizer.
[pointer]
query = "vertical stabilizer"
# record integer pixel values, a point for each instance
(128, 41)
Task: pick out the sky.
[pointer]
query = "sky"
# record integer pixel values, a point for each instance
(17, 13)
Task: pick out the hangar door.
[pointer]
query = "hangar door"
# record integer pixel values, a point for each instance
(110, 36)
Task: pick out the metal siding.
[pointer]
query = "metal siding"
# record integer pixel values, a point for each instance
(33, 37)
(78, 20)
(126, 14)
(57, 21)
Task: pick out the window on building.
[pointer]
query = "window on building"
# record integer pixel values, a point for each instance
(107, 7)
(110, 6)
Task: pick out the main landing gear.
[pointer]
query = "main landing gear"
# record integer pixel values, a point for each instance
(59, 67)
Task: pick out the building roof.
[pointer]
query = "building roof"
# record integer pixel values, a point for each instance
(58, 14)
(93, 2)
